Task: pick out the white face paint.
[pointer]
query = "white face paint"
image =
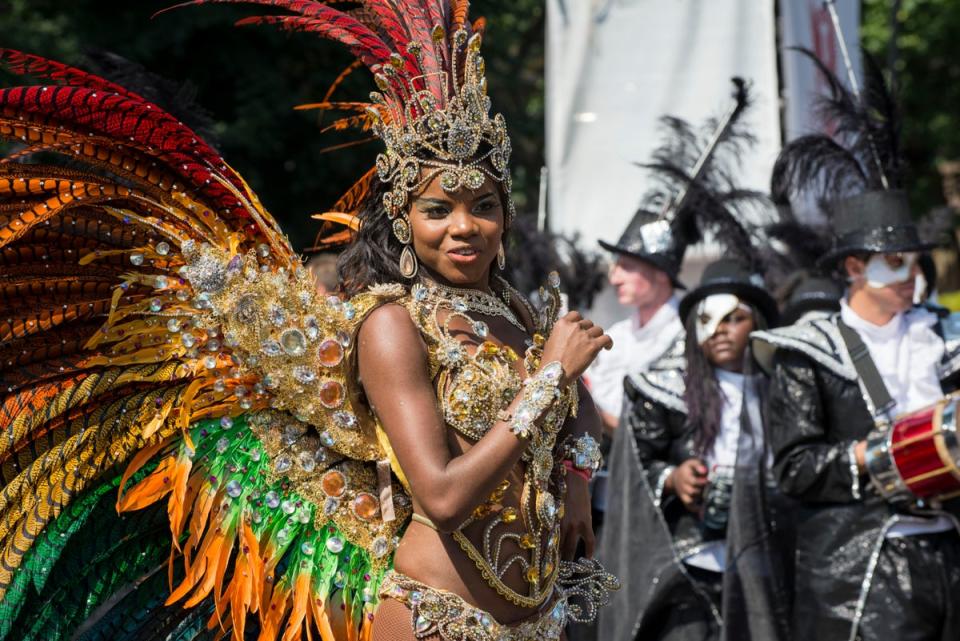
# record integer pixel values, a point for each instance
(710, 313)
(879, 273)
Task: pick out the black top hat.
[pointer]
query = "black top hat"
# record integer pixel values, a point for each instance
(876, 222)
(815, 293)
(728, 276)
(651, 239)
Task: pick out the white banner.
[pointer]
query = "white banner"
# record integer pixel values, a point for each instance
(807, 24)
(615, 67)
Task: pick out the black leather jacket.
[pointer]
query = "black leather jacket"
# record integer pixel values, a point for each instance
(816, 413)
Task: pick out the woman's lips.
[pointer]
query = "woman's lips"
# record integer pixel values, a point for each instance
(463, 255)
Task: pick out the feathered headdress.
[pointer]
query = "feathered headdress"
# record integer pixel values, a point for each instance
(431, 111)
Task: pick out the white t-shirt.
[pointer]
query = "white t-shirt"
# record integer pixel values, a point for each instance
(635, 346)
(906, 351)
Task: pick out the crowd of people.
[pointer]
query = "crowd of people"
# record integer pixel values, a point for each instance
(407, 439)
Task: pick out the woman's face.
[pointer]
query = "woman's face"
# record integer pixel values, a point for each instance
(726, 347)
(456, 235)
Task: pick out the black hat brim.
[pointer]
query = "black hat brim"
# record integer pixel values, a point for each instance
(651, 259)
(747, 292)
(834, 256)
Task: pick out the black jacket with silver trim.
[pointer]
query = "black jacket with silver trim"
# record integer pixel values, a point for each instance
(816, 413)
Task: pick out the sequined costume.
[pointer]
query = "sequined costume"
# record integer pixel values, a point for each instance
(166, 355)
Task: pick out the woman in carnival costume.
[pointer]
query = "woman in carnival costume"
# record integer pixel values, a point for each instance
(409, 460)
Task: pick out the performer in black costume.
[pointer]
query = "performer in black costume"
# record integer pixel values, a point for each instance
(665, 503)
(866, 568)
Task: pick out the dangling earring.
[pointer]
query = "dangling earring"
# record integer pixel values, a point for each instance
(501, 257)
(408, 263)
(408, 258)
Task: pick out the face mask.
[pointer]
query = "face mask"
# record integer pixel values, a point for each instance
(710, 313)
(879, 273)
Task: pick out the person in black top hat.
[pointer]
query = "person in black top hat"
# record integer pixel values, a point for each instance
(699, 506)
(871, 563)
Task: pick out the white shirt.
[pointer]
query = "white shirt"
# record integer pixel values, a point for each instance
(713, 556)
(906, 351)
(635, 346)
(724, 451)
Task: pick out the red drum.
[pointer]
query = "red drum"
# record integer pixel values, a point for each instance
(919, 457)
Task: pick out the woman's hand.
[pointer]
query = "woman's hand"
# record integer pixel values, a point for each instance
(687, 482)
(574, 343)
(577, 520)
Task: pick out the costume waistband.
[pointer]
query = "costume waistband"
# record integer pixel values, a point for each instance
(583, 587)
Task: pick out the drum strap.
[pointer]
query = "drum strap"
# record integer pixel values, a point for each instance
(867, 371)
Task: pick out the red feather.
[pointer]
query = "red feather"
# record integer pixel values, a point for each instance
(22, 63)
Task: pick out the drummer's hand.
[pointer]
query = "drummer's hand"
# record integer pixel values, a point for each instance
(860, 452)
(687, 482)
(577, 520)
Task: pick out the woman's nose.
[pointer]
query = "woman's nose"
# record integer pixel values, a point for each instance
(462, 222)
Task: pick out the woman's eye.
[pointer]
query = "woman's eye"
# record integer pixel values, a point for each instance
(486, 205)
(435, 212)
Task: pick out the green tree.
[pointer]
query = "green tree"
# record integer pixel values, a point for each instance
(249, 79)
(919, 38)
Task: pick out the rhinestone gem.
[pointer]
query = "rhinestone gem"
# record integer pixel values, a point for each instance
(173, 325)
(365, 506)
(270, 382)
(272, 499)
(345, 420)
(271, 347)
(333, 483)
(288, 506)
(136, 258)
(307, 548)
(234, 489)
(379, 547)
(304, 374)
(327, 439)
(283, 464)
(330, 506)
(293, 341)
(226, 422)
(277, 315)
(307, 461)
(156, 305)
(335, 544)
(331, 394)
(163, 248)
(222, 444)
(312, 328)
(246, 309)
(330, 353)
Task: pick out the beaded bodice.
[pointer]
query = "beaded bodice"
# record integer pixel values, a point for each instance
(475, 378)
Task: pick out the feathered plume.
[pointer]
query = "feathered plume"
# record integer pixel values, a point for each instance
(695, 184)
(532, 253)
(863, 152)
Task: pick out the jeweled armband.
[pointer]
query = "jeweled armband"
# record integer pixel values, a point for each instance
(584, 454)
(539, 393)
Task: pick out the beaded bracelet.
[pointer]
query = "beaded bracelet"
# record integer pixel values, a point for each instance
(539, 393)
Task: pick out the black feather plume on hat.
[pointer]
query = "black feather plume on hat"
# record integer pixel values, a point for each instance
(863, 151)
(712, 202)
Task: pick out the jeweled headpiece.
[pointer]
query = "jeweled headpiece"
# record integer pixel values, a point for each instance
(431, 111)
